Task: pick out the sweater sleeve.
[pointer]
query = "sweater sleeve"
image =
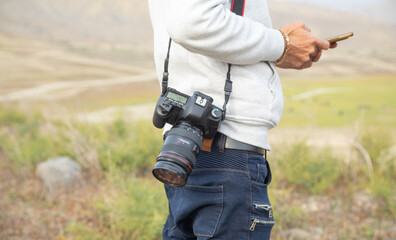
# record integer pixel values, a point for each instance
(207, 27)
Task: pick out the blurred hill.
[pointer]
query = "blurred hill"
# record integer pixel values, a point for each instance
(93, 22)
(384, 10)
(83, 20)
(369, 32)
(376, 9)
(128, 21)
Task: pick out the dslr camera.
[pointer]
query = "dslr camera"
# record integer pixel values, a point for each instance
(193, 118)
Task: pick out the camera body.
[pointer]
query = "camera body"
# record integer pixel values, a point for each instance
(197, 110)
(193, 118)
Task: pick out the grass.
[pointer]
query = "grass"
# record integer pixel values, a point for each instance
(343, 102)
(132, 205)
(380, 149)
(137, 211)
(23, 139)
(313, 173)
(134, 208)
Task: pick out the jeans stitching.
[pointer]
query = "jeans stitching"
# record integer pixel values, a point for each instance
(247, 163)
(178, 208)
(172, 228)
(204, 187)
(174, 196)
(258, 172)
(261, 184)
(261, 202)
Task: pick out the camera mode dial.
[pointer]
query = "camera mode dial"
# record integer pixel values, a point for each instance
(216, 113)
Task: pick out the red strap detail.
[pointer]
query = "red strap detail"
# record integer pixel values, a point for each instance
(238, 11)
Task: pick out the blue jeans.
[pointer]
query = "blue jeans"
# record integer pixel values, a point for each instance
(225, 198)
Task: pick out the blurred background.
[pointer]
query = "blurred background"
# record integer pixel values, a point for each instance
(78, 87)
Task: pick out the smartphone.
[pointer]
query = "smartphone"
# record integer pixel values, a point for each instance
(340, 37)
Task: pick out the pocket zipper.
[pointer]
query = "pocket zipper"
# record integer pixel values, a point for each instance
(256, 221)
(265, 207)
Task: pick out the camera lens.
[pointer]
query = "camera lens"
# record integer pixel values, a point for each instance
(178, 154)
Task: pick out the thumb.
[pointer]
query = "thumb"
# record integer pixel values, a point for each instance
(322, 44)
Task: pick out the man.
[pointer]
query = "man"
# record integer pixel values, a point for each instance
(225, 197)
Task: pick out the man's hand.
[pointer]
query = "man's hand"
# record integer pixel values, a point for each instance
(304, 48)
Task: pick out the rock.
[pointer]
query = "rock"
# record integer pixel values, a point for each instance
(60, 174)
(318, 230)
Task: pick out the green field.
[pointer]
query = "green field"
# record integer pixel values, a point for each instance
(340, 101)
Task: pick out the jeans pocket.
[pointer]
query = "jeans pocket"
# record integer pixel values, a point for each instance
(199, 210)
(259, 169)
(262, 173)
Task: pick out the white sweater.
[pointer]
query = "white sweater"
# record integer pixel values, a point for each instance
(206, 36)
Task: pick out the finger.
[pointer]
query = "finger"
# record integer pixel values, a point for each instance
(322, 44)
(317, 57)
(333, 45)
(315, 52)
(305, 64)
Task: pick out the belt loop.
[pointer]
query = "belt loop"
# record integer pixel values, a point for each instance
(223, 139)
(265, 155)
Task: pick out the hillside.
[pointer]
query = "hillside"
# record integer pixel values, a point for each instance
(128, 21)
(325, 23)
(83, 20)
(384, 10)
(95, 26)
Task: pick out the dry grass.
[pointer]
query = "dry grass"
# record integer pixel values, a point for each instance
(28, 211)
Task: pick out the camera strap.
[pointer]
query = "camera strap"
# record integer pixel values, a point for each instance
(237, 7)
(165, 75)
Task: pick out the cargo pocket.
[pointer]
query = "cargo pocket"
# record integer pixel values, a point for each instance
(199, 210)
(261, 219)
